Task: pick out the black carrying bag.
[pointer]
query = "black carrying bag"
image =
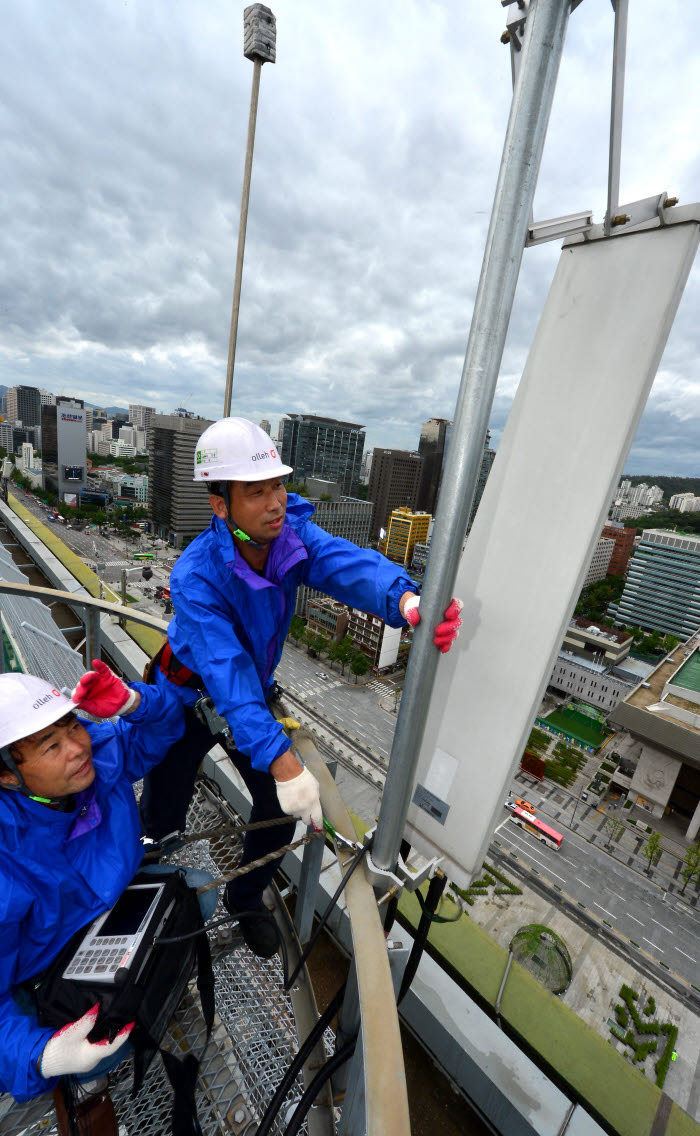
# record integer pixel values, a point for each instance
(149, 996)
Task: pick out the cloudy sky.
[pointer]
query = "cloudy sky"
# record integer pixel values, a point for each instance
(122, 135)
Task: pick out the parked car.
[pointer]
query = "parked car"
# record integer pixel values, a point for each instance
(509, 803)
(525, 805)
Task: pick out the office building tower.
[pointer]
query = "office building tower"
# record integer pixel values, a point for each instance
(140, 416)
(178, 506)
(624, 545)
(598, 567)
(394, 482)
(366, 467)
(432, 447)
(487, 460)
(6, 436)
(24, 405)
(403, 530)
(47, 398)
(64, 438)
(266, 425)
(340, 516)
(662, 590)
(323, 447)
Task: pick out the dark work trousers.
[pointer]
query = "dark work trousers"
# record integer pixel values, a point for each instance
(167, 791)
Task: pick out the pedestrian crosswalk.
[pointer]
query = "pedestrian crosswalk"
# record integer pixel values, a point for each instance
(375, 684)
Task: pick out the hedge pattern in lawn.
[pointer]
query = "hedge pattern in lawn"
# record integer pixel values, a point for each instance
(642, 1048)
(492, 879)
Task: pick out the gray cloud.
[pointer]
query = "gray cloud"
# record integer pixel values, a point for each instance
(122, 130)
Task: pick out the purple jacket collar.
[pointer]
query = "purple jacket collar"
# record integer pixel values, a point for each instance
(286, 550)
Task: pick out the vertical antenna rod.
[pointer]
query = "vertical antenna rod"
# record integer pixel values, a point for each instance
(259, 44)
(616, 101)
(520, 162)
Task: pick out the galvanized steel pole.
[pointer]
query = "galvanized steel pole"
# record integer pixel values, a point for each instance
(259, 44)
(522, 152)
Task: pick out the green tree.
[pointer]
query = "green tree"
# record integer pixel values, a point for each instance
(614, 828)
(342, 652)
(652, 851)
(359, 665)
(296, 628)
(691, 865)
(321, 643)
(309, 638)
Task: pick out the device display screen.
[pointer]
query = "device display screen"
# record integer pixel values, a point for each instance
(129, 911)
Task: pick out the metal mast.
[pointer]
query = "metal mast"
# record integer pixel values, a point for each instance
(259, 44)
(542, 47)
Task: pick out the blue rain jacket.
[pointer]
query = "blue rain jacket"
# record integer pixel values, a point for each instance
(59, 871)
(230, 623)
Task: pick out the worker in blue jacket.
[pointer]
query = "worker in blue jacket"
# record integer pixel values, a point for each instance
(233, 590)
(70, 836)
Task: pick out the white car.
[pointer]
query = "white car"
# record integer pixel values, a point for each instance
(509, 803)
(320, 674)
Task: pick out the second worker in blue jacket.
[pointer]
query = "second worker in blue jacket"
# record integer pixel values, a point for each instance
(233, 590)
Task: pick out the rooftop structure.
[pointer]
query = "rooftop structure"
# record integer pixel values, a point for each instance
(663, 712)
(584, 637)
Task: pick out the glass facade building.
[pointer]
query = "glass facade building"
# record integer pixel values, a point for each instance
(325, 448)
(662, 591)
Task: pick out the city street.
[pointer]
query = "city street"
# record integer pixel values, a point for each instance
(354, 708)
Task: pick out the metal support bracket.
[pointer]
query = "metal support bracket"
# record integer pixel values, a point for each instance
(403, 877)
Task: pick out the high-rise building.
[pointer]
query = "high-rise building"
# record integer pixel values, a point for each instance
(403, 530)
(624, 545)
(662, 590)
(393, 482)
(140, 415)
(24, 405)
(432, 447)
(598, 567)
(63, 439)
(323, 447)
(179, 506)
(266, 425)
(341, 516)
(6, 436)
(487, 460)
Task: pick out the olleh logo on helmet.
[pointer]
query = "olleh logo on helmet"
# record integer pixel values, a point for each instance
(47, 698)
(262, 457)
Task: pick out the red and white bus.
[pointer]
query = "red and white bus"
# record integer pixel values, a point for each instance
(543, 832)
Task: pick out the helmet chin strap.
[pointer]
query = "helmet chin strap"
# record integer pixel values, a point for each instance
(20, 787)
(243, 536)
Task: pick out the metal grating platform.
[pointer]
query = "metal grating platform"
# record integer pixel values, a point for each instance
(253, 1041)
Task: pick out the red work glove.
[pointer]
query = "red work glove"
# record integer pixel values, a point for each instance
(446, 632)
(102, 693)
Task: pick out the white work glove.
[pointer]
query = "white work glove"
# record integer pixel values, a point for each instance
(299, 798)
(69, 1051)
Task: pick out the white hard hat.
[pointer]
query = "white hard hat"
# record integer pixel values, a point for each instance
(28, 704)
(234, 449)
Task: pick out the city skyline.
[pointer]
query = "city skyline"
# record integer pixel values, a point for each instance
(122, 188)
